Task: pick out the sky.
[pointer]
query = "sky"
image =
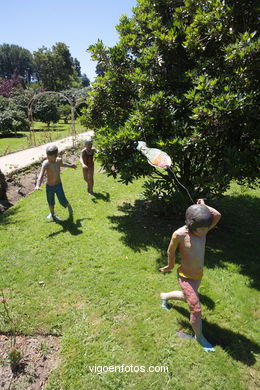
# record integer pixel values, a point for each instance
(32, 24)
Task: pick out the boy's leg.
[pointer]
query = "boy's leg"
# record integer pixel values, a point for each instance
(90, 180)
(62, 198)
(50, 194)
(190, 291)
(85, 174)
(176, 295)
(88, 177)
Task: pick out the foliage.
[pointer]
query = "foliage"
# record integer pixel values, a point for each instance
(85, 80)
(12, 118)
(182, 77)
(15, 60)
(65, 112)
(75, 95)
(45, 108)
(56, 69)
(7, 86)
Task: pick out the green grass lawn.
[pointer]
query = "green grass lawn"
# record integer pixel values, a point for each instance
(41, 135)
(101, 289)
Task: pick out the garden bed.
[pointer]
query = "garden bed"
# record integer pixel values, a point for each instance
(39, 358)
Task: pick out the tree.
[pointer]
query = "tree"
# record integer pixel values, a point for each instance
(85, 82)
(45, 108)
(12, 118)
(9, 85)
(65, 112)
(15, 60)
(182, 77)
(56, 69)
(77, 68)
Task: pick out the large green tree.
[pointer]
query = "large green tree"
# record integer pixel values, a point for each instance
(15, 60)
(56, 69)
(182, 77)
(46, 108)
(12, 117)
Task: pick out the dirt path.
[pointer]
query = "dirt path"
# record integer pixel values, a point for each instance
(24, 158)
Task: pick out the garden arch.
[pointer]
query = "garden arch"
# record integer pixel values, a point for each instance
(72, 104)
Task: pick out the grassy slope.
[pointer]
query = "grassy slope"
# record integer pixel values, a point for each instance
(22, 140)
(102, 286)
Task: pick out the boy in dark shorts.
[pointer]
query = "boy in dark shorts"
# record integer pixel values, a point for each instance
(51, 167)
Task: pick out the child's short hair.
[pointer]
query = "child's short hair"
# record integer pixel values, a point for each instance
(198, 215)
(52, 150)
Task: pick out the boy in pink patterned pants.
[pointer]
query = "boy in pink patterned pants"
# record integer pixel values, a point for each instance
(190, 240)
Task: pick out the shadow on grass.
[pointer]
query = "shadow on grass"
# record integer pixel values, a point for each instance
(143, 227)
(13, 135)
(207, 301)
(105, 196)
(235, 344)
(7, 217)
(234, 240)
(45, 129)
(70, 226)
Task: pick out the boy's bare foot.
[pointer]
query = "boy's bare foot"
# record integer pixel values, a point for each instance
(54, 217)
(165, 304)
(205, 344)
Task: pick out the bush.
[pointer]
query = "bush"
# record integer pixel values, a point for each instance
(45, 108)
(182, 77)
(12, 118)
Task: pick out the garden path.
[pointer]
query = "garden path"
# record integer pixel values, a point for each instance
(24, 158)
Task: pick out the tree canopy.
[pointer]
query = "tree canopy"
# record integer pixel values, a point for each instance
(56, 69)
(182, 77)
(12, 117)
(15, 60)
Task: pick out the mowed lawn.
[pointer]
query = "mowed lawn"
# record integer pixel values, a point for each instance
(95, 282)
(41, 135)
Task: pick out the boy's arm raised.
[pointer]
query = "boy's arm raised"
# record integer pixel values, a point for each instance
(216, 214)
(67, 165)
(171, 253)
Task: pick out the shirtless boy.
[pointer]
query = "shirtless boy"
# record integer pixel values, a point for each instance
(190, 240)
(87, 162)
(51, 167)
